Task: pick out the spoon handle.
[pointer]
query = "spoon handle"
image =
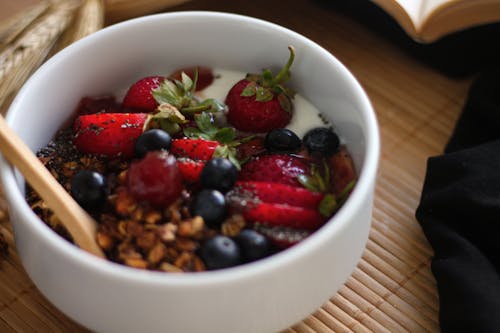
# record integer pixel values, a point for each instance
(77, 221)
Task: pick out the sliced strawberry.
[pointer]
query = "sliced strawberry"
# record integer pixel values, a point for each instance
(343, 170)
(277, 168)
(277, 193)
(205, 76)
(190, 169)
(195, 149)
(108, 134)
(282, 215)
(139, 94)
(282, 237)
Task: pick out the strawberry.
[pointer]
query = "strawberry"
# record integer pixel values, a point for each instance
(140, 96)
(205, 76)
(110, 134)
(260, 103)
(342, 170)
(190, 169)
(277, 193)
(195, 149)
(282, 215)
(277, 168)
(282, 237)
(252, 147)
(101, 104)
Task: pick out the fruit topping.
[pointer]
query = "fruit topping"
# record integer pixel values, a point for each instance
(282, 140)
(253, 245)
(211, 206)
(219, 174)
(260, 102)
(276, 193)
(154, 139)
(282, 215)
(205, 76)
(155, 178)
(220, 252)
(110, 134)
(195, 149)
(321, 141)
(190, 169)
(89, 189)
(278, 168)
(140, 96)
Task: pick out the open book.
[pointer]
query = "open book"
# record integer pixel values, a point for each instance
(428, 20)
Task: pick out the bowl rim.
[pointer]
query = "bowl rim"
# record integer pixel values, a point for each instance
(356, 200)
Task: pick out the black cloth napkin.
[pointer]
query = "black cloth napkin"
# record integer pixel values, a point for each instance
(460, 214)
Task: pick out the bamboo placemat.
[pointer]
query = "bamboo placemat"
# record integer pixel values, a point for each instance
(392, 288)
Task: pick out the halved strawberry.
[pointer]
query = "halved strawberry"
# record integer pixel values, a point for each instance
(195, 149)
(282, 237)
(282, 215)
(110, 134)
(277, 193)
(205, 76)
(277, 168)
(190, 169)
(140, 96)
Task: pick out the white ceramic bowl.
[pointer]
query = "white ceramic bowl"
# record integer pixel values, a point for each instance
(264, 296)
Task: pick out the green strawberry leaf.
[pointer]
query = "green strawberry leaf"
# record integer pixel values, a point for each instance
(225, 135)
(224, 151)
(328, 205)
(167, 118)
(249, 90)
(263, 94)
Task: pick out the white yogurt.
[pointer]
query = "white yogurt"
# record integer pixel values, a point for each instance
(305, 115)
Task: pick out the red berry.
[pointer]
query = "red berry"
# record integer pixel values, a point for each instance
(195, 149)
(343, 171)
(277, 193)
(249, 115)
(283, 215)
(277, 168)
(102, 104)
(139, 94)
(190, 169)
(260, 103)
(156, 179)
(109, 134)
(205, 76)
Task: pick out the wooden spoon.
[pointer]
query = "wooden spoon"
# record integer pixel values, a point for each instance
(77, 221)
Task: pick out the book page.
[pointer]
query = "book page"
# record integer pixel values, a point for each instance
(429, 6)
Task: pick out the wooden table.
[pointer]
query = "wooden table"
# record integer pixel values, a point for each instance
(392, 289)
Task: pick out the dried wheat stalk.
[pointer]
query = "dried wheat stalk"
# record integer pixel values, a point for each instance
(89, 19)
(118, 10)
(12, 28)
(26, 53)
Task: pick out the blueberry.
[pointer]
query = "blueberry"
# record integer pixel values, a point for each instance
(282, 140)
(321, 141)
(211, 206)
(151, 140)
(253, 245)
(220, 252)
(89, 189)
(219, 174)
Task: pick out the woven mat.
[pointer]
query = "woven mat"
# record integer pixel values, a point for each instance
(392, 288)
